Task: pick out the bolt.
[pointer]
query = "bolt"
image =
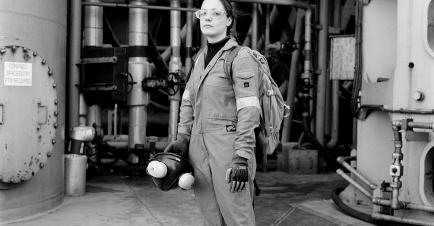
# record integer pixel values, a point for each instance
(25, 50)
(56, 113)
(13, 48)
(2, 51)
(12, 180)
(53, 141)
(41, 165)
(38, 127)
(411, 65)
(55, 125)
(49, 154)
(55, 102)
(43, 62)
(35, 54)
(54, 85)
(418, 96)
(50, 72)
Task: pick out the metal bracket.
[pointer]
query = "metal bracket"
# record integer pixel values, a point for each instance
(99, 60)
(42, 114)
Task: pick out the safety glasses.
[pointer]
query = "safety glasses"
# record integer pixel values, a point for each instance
(214, 13)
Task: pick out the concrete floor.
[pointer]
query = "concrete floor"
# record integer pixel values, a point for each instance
(123, 200)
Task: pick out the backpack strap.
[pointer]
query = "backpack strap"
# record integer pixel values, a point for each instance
(229, 59)
(194, 61)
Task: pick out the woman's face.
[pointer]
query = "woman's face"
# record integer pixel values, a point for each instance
(213, 20)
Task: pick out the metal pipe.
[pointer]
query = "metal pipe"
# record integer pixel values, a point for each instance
(93, 37)
(322, 78)
(354, 183)
(189, 38)
(294, 3)
(121, 142)
(397, 167)
(267, 28)
(166, 54)
(292, 80)
(122, 5)
(307, 67)
(115, 120)
(403, 205)
(356, 173)
(73, 60)
(174, 66)
(255, 26)
(421, 125)
(379, 216)
(93, 24)
(334, 135)
(335, 115)
(139, 68)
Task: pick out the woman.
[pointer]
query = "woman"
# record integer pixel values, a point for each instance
(218, 116)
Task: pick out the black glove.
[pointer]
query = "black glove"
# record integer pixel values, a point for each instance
(237, 174)
(179, 146)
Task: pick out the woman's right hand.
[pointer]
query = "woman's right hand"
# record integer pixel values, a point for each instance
(179, 146)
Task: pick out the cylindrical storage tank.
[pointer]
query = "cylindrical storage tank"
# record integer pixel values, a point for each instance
(32, 106)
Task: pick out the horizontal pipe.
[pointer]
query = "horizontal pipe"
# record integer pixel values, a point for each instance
(403, 205)
(421, 125)
(354, 183)
(278, 2)
(121, 142)
(379, 216)
(122, 5)
(356, 173)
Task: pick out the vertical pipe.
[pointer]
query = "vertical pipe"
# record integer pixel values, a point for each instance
(322, 78)
(166, 54)
(267, 28)
(396, 168)
(74, 59)
(307, 66)
(93, 24)
(174, 65)
(189, 37)
(335, 87)
(292, 80)
(255, 26)
(139, 68)
(93, 37)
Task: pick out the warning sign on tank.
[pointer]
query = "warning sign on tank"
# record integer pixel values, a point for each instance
(18, 74)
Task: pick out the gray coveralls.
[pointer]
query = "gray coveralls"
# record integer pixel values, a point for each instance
(220, 114)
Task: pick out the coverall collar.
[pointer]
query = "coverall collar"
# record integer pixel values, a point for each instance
(231, 43)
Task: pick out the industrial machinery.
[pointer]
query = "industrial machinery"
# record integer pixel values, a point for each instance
(32, 106)
(356, 74)
(393, 179)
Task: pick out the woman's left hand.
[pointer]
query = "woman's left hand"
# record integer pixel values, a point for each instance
(237, 174)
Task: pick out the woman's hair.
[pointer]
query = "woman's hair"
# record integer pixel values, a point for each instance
(230, 12)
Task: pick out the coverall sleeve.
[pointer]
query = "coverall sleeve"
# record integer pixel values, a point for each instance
(186, 111)
(246, 88)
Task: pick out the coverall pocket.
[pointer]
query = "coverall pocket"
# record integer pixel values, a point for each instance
(245, 74)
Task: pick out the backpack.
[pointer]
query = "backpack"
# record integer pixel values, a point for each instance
(273, 107)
